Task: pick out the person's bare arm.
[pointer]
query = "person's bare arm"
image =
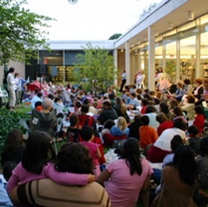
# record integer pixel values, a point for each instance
(105, 175)
(98, 153)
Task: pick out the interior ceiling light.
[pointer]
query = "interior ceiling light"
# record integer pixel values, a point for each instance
(190, 15)
(170, 25)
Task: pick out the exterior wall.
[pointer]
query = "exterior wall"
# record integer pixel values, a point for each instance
(19, 68)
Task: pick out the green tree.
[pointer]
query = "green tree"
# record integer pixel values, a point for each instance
(115, 36)
(21, 31)
(94, 69)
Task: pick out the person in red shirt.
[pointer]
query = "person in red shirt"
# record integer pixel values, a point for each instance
(164, 123)
(148, 134)
(144, 104)
(199, 118)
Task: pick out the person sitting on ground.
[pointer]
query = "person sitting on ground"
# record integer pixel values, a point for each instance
(178, 180)
(107, 126)
(87, 135)
(134, 103)
(120, 128)
(156, 103)
(179, 91)
(194, 139)
(42, 191)
(199, 118)
(7, 172)
(92, 109)
(13, 148)
(148, 135)
(179, 114)
(126, 178)
(37, 97)
(58, 105)
(161, 147)
(38, 106)
(87, 120)
(164, 123)
(73, 131)
(202, 164)
(44, 120)
(37, 163)
(134, 127)
(121, 109)
(144, 103)
(150, 111)
(174, 144)
(199, 88)
(107, 113)
(188, 108)
(163, 107)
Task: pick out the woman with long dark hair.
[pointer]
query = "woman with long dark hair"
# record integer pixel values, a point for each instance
(179, 180)
(13, 147)
(127, 177)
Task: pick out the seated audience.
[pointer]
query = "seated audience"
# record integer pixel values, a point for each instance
(37, 163)
(87, 135)
(188, 108)
(164, 123)
(178, 180)
(121, 109)
(202, 163)
(134, 102)
(144, 103)
(163, 108)
(120, 128)
(199, 118)
(134, 127)
(107, 126)
(194, 139)
(73, 131)
(148, 135)
(42, 191)
(37, 97)
(124, 179)
(107, 113)
(161, 147)
(13, 148)
(199, 88)
(44, 120)
(151, 113)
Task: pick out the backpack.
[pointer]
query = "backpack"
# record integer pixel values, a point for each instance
(90, 121)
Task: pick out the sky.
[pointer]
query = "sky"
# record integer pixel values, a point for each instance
(89, 19)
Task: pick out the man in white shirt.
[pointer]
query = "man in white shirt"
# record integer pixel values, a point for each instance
(11, 88)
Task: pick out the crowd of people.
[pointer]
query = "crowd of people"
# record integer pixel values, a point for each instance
(168, 133)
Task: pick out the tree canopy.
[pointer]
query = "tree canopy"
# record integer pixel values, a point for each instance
(115, 36)
(21, 31)
(94, 69)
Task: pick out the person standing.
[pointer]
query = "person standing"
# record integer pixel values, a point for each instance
(11, 88)
(123, 80)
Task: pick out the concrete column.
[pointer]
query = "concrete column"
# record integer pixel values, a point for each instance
(115, 54)
(198, 54)
(178, 55)
(127, 63)
(151, 59)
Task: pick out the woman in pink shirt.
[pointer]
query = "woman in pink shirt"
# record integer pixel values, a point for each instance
(36, 164)
(125, 178)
